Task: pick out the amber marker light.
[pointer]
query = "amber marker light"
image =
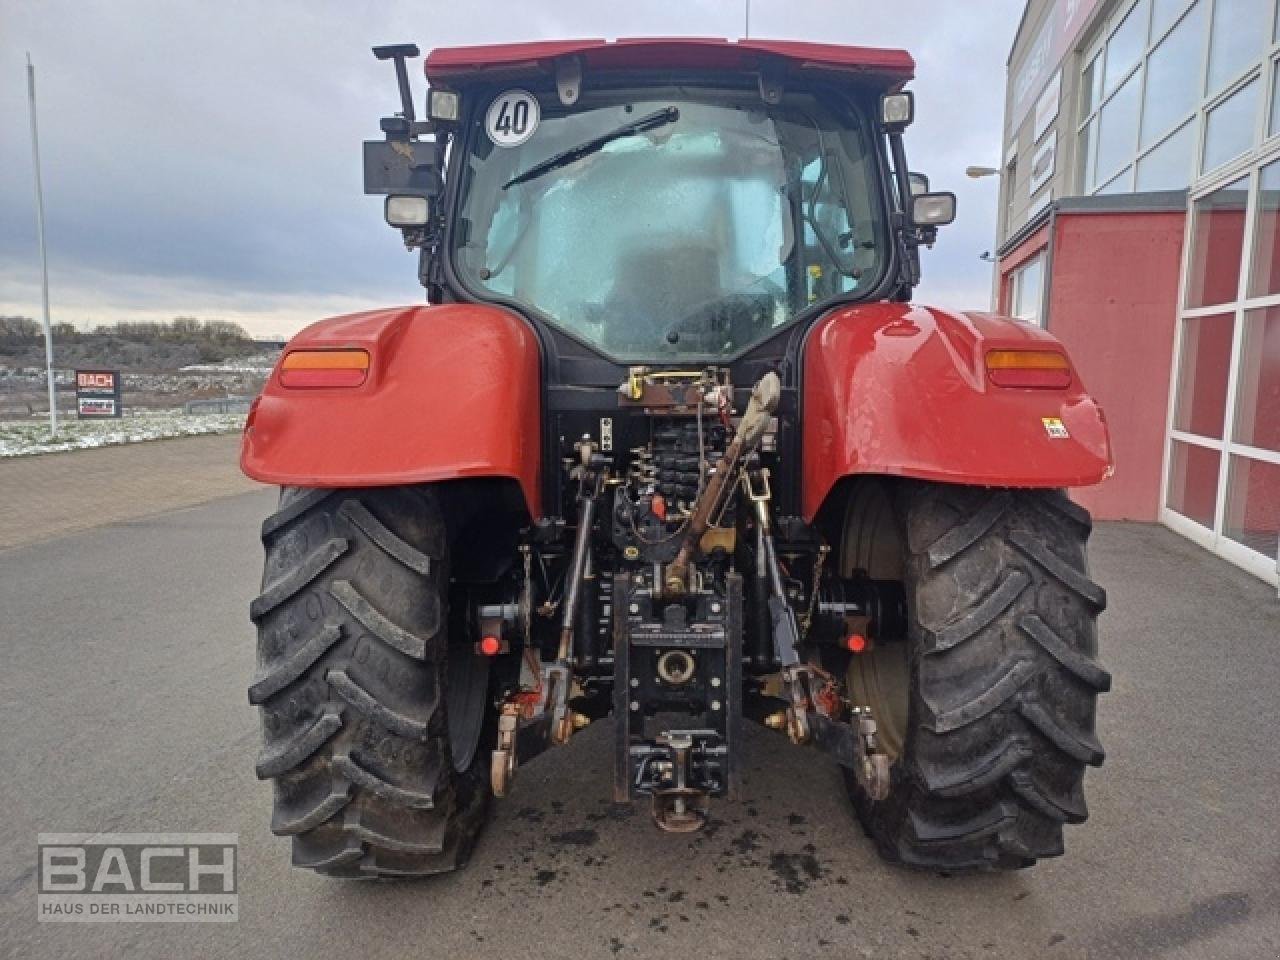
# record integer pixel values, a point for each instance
(324, 368)
(1042, 369)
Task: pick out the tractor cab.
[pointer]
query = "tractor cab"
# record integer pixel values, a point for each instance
(665, 201)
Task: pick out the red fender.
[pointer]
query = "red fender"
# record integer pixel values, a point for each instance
(898, 389)
(452, 391)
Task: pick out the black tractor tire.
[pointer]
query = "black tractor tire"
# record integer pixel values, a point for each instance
(1003, 679)
(356, 682)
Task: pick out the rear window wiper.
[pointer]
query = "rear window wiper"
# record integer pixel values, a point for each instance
(659, 118)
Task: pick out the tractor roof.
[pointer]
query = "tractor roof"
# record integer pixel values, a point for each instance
(885, 67)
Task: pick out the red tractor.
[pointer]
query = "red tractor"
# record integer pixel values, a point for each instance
(669, 445)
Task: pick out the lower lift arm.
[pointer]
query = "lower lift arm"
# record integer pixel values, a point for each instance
(852, 744)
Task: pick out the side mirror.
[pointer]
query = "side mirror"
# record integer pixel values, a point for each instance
(402, 167)
(933, 209)
(919, 183)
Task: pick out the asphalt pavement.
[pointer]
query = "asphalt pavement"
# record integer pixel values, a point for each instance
(127, 650)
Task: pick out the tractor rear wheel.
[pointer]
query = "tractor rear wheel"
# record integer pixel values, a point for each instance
(987, 709)
(371, 718)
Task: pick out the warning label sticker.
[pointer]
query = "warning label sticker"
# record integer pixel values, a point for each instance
(1054, 428)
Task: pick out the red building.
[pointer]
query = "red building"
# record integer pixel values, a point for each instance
(1140, 223)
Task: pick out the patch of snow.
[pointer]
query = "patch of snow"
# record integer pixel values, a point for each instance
(261, 364)
(23, 438)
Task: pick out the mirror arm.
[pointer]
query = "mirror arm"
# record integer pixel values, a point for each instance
(907, 231)
(411, 161)
(900, 171)
(397, 53)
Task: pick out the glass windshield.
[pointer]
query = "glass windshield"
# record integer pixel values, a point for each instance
(696, 235)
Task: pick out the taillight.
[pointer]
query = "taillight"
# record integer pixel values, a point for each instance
(1045, 369)
(324, 368)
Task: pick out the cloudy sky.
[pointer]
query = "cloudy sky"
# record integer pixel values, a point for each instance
(204, 158)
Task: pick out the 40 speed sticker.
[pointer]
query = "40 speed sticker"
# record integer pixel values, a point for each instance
(512, 118)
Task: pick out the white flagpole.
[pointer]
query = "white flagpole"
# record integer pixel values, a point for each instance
(44, 258)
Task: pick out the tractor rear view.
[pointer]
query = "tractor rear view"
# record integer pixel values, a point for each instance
(669, 448)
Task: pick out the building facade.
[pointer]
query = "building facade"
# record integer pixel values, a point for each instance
(1140, 222)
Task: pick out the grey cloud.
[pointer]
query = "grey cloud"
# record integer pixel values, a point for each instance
(208, 154)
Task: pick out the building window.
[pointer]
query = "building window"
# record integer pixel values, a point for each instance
(1237, 41)
(1165, 167)
(1164, 13)
(1118, 128)
(1228, 131)
(1253, 505)
(1158, 73)
(1217, 242)
(1222, 467)
(1201, 390)
(1257, 422)
(1193, 482)
(1273, 125)
(1126, 45)
(1264, 278)
(1173, 90)
(1026, 291)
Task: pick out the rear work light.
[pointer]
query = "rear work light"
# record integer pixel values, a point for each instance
(1045, 369)
(324, 368)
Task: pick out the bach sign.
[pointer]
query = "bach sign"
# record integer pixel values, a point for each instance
(98, 394)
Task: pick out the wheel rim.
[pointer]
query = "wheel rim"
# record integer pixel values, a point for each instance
(880, 678)
(466, 699)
